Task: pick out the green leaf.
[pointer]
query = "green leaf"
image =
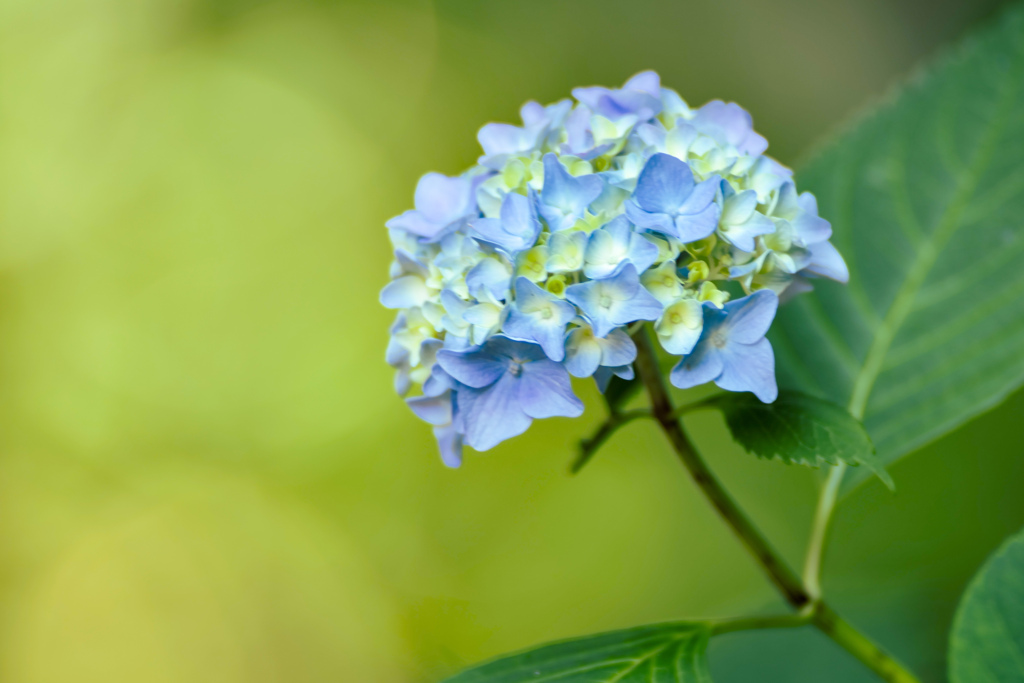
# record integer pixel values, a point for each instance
(926, 198)
(799, 428)
(661, 653)
(987, 643)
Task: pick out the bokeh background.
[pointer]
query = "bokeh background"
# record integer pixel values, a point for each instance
(204, 473)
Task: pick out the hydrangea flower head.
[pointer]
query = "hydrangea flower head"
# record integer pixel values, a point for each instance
(620, 208)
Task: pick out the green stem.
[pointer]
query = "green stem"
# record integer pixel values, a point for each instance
(755, 623)
(784, 578)
(787, 582)
(860, 646)
(819, 532)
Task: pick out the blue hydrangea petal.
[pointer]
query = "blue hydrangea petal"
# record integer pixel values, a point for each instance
(443, 200)
(455, 308)
(617, 349)
(449, 443)
(545, 391)
(730, 124)
(603, 254)
(749, 318)
(534, 114)
(490, 230)
(742, 236)
(700, 367)
(697, 226)
(513, 350)
(539, 316)
(402, 381)
(564, 198)
(455, 343)
(702, 194)
(652, 134)
(745, 269)
(459, 252)
(810, 228)
(664, 185)
(474, 368)
(599, 299)
(749, 367)
(516, 230)
(415, 222)
(615, 243)
(642, 306)
(492, 275)
(642, 252)
(604, 374)
(611, 302)
(656, 222)
(827, 262)
(492, 414)
(738, 206)
(407, 264)
(679, 140)
(405, 292)
(668, 199)
(486, 318)
(640, 96)
(582, 352)
(577, 129)
(504, 138)
(625, 372)
(500, 140)
(395, 353)
(435, 410)
(438, 382)
(648, 82)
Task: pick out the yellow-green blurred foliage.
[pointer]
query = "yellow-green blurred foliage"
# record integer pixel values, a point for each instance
(204, 473)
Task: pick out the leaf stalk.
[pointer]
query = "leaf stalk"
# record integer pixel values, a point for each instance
(819, 531)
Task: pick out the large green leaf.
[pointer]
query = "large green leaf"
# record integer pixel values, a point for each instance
(662, 653)
(926, 197)
(799, 428)
(987, 644)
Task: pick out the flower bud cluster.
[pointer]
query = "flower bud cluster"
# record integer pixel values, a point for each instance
(592, 216)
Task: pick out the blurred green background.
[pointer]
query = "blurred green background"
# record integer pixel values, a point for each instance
(204, 473)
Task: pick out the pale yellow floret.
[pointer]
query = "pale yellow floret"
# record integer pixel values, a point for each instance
(531, 264)
(709, 292)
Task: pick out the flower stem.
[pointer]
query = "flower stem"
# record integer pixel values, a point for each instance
(784, 578)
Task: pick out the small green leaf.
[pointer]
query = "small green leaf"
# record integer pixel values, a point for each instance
(660, 653)
(987, 643)
(799, 428)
